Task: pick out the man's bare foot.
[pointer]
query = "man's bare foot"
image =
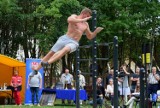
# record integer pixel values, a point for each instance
(44, 65)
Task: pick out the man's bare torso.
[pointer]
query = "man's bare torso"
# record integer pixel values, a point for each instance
(75, 30)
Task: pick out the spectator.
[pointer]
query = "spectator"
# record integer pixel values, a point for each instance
(82, 82)
(67, 81)
(135, 96)
(153, 79)
(124, 86)
(110, 90)
(16, 83)
(110, 76)
(100, 92)
(134, 78)
(35, 83)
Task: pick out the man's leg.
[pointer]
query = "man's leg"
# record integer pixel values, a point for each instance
(15, 96)
(45, 59)
(18, 98)
(32, 92)
(130, 100)
(53, 56)
(58, 55)
(36, 92)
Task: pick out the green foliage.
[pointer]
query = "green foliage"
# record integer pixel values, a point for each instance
(55, 16)
(44, 21)
(130, 20)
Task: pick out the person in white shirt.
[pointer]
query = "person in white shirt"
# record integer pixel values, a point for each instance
(82, 82)
(153, 84)
(135, 96)
(110, 90)
(124, 86)
(35, 84)
(67, 81)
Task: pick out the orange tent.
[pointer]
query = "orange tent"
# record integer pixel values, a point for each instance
(7, 67)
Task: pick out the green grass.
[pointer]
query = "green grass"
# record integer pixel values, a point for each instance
(26, 106)
(57, 104)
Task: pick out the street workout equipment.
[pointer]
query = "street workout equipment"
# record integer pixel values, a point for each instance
(94, 65)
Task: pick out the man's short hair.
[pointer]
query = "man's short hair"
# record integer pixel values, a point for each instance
(86, 10)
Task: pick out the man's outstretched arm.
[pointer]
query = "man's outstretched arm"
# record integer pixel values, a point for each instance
(90, 35)
(74, 19)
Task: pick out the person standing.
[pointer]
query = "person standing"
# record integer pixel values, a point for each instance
(124, 85)
(16, 83)
(134, 79)
(35, 83)
(67, 81)
(82, 82)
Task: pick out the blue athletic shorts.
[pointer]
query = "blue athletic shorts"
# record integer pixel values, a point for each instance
(65, 41)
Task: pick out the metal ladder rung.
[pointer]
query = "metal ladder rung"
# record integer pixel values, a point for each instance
(102, 59)
(85, 59)
(85, 46)
(85, 73)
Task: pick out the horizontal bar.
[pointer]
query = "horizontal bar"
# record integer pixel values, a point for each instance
(85, 46)
(86, 73)
(85, 59)
(102, 59)
(99, 44)
(91, 59)
(104, 44)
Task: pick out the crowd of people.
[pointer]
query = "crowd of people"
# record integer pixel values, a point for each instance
(128, 86)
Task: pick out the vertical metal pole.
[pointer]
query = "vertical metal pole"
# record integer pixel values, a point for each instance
(77, 78)
(94, 61)
(115, 71)
(142, 77)
(145, 80)
(142, 93)
(148, 68)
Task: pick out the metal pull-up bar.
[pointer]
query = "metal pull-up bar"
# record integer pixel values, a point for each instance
(94, 59)
(94, 65)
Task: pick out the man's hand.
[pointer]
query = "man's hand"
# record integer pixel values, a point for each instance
(15, 85)
(40, 87)
(28, 86)
(12, 84)
(98, 29)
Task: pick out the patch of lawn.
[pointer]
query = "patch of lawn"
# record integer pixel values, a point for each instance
(57, 104)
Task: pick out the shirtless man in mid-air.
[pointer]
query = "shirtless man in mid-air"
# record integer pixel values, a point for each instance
(77, 25)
